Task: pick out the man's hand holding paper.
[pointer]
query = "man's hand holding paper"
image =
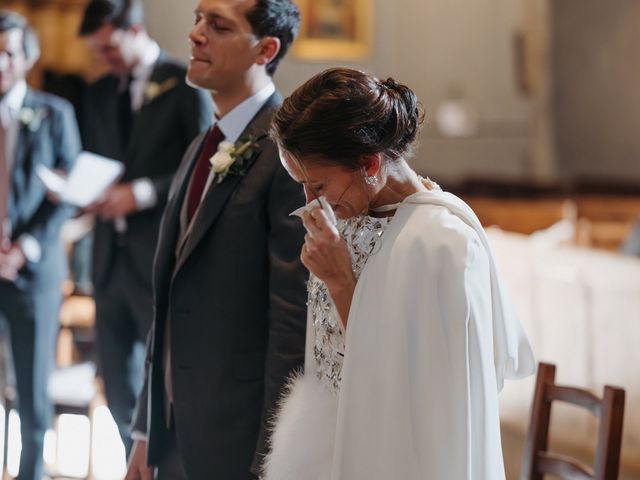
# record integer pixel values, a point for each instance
(118, 201)
(86, 182)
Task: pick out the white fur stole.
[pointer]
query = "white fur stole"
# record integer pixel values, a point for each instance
(304, 432)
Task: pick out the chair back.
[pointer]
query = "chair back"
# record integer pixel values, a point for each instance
(609, 409)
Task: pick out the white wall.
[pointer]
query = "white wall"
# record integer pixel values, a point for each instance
(169, 22)
(431, 45)
(596, 67)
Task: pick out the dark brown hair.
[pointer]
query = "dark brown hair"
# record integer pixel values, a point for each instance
(342, 114)
(275, 18)
(122, 14)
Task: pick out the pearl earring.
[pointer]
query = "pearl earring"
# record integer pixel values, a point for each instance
(371, 180)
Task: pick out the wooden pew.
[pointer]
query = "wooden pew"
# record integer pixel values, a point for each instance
(521, 215)
(604, 221)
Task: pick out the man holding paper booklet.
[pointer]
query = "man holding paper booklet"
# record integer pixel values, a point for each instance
(144, 115)
(85, 183)
(36, 130)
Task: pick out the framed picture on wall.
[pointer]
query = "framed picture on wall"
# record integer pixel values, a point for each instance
(335, 30)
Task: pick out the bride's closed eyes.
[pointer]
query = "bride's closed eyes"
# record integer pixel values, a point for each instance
(314, 186)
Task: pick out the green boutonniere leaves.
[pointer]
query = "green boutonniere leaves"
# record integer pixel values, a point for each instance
(234, 158)
(155, 89)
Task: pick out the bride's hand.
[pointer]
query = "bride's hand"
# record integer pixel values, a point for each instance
(324, 252)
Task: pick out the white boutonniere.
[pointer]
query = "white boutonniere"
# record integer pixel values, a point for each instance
(234, 158)
(31, 118)
(155, 89)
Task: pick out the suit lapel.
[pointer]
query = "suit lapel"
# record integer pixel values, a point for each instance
(161, 80)
(138, 122)
(159, 76)
(22, 167)
(218, 194)
(170, 229)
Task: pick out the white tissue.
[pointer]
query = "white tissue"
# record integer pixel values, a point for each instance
(326, 208)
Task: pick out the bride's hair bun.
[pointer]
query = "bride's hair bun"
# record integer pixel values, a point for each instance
(342, 114)
(405, 114)
(389, 83)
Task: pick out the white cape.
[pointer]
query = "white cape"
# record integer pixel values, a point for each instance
(431, 337)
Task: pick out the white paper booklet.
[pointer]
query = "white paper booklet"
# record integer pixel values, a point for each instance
(90, 177)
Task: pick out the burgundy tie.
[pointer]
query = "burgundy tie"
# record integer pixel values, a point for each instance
(201, 170)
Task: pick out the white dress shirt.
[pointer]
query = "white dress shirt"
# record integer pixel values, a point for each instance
(233, 123)
(142, 74)
(143, 189)
(10, 106)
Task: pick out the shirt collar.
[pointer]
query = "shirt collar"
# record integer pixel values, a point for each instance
(234, 122)
(142, 71)
(14, 99)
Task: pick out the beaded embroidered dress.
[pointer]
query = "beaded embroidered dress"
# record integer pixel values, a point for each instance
(362, 235)
(305, 429)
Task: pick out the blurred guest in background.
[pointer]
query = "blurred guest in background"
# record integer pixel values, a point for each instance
(143, 114)
(631, 244)
(35, 129)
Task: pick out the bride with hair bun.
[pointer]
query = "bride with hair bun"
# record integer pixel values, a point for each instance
(410, 332)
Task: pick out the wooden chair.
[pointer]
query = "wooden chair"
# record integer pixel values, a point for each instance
(538, 461)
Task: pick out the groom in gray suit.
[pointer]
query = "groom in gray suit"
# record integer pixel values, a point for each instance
(229, 287)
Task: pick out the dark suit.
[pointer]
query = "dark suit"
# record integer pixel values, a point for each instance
(235, 302)
(30, 304)
(122, 261)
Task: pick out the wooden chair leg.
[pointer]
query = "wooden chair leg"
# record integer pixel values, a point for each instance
(538, 435)
(607, 462)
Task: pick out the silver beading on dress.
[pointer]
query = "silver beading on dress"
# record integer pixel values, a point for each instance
(362, 235)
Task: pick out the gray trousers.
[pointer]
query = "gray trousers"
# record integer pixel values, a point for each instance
(124, 312)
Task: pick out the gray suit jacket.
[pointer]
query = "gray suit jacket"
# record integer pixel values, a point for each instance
(55, 144)
(235, 298)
